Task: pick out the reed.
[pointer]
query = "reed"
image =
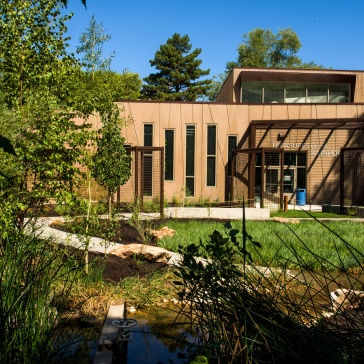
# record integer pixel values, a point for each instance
(244, 313)
(35, 281)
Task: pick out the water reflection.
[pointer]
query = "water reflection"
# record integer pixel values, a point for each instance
(157, 339)
(77, 345)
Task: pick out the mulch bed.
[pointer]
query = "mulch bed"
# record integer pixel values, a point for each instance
(116, 268)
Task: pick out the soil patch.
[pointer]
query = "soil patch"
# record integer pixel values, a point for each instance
(116, 268)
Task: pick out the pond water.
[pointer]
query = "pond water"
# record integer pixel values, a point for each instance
(155, 340)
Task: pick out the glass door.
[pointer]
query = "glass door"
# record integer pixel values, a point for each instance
(288, 181)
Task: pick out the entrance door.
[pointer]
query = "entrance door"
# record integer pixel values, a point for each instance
(294, 174)
(289, 180)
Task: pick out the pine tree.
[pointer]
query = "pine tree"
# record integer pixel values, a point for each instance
(179, 71)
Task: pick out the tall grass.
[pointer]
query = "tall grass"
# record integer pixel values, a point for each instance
(250, 314)
(35, 281)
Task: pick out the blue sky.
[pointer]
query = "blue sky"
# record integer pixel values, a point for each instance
(331, 32)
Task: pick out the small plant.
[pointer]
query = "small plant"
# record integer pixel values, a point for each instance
(203, 201)
(350, 211)
(143, 226)
(175, 200)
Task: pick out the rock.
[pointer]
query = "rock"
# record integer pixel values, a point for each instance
(344, 321)
(149, 253)
(162, 233)
(131, 309)
(347, 299)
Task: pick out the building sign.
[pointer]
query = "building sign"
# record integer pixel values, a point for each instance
(316, 150)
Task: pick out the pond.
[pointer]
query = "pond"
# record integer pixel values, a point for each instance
(155, 340)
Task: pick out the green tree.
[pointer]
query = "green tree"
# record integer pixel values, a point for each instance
(33, 55)
(111, 163)
(262, 48)
(121, 86)
(35, 112)
(179, 73)
(91, 46)
(101, 86)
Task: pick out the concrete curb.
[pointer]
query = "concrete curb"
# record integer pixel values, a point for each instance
(217, 213)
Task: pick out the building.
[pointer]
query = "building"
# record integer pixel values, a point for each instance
(269, 133)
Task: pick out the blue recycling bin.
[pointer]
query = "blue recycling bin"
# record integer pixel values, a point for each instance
(301, 196)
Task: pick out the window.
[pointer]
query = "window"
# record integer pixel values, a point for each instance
(252, 92)
(338, 93)
(273, 92)
(317, 93)
(294, 92)
(232, 143)
(294, 174)
(211, 155)
(190, 160)
(147, 162)
(168, 155)
(148, 135)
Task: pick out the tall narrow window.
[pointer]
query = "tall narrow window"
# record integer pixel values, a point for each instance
(148, 135)
(190, 160)
(232, 143)
(211, 155)
(147, 162)
(169, 155)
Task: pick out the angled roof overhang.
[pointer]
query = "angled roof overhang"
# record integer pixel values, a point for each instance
(282, 75)
(309, 124)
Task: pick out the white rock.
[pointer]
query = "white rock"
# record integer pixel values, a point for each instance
(347, 299)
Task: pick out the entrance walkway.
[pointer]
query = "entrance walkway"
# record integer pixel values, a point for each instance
(313, 208)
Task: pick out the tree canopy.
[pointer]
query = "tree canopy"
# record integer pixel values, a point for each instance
(100, 85)
(263, 48)
(179, 73)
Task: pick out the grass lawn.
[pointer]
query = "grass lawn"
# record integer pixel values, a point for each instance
(303, 214)
(307, 243)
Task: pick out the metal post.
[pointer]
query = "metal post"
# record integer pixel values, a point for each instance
(285, 203)
(124, 324)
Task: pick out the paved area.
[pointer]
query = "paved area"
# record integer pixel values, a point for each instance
(314, 208)
(95, 244)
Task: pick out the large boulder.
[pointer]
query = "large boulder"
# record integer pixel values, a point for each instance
(162, 233)
(145, 252)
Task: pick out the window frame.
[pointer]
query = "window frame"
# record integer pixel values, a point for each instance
(188, 165)
(308, 86)
(211, 148)
(167, 155)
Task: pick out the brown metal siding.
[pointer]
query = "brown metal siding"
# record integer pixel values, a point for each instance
(234, 119)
